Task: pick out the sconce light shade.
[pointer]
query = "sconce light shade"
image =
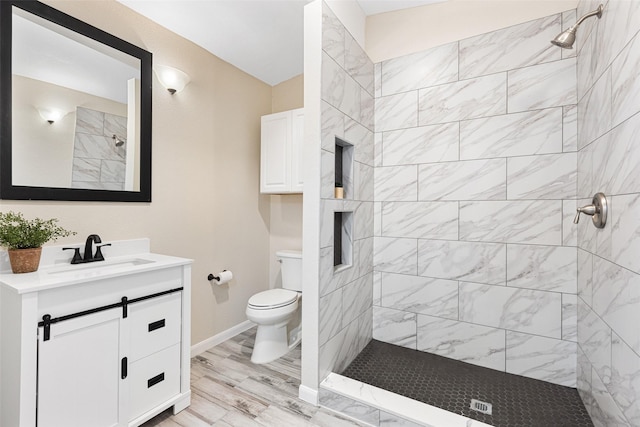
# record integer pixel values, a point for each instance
(171, 78)
(50, 114)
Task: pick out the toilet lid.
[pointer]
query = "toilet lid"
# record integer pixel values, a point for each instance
(273, 298)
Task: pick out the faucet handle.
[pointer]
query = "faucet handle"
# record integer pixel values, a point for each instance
(597, 209)
(99, 256)
(589, 210)
(576, 219)
(76, 255)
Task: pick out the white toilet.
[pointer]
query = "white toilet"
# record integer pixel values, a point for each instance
(276, 312)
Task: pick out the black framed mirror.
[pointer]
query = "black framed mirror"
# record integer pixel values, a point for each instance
(75, 109)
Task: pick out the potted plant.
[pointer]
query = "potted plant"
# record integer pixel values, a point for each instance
(24, 238)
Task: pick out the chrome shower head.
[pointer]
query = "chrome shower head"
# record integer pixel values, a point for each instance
(567, 38)
(119, 142)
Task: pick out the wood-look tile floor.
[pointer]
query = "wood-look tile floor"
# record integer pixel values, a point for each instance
(228, 390)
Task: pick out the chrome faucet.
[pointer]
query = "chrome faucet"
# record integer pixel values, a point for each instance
(88, 251)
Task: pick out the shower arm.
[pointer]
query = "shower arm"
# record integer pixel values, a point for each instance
(597, 12)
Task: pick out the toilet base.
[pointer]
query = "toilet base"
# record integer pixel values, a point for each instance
(271, 343)
(279, 330)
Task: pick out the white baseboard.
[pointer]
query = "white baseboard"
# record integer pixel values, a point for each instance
(203, 346)
(308, 394)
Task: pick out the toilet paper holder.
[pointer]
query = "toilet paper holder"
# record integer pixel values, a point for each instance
(211, 277)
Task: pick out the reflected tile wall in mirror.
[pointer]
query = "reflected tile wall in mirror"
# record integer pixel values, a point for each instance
(97, 162)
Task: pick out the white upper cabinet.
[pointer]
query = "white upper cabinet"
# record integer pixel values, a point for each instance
(281, 152)
(297, 172)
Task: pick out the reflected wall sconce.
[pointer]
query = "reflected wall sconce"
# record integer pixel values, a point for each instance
(171, 78)
(50, 114)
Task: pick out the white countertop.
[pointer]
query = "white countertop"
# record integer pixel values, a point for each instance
(122, 258)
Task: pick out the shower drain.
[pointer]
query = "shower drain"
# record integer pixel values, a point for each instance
(480, 406)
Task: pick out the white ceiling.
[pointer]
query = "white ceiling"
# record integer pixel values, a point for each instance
(373, 7)
(264, 38)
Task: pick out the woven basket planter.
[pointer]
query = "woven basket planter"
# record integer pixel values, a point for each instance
(24, 260)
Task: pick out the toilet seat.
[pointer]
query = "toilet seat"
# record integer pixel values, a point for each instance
(273, 298)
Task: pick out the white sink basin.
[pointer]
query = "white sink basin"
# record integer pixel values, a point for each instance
(99, 265)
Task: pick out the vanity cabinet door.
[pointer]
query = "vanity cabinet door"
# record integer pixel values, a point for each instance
(80, 380)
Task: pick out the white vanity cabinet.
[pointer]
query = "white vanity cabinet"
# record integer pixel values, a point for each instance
(102, 346)
(281, 143)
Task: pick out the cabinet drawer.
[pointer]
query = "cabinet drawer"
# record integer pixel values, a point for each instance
(154, 380)
(155, 324)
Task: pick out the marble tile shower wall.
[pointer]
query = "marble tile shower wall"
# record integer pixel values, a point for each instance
(475, 189)
(608, 371)
(97, 162)
(345, 323)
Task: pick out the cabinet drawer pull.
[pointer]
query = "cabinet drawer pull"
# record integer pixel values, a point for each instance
(156, 325)
(155, 380)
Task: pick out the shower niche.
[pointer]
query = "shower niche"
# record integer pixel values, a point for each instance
(342, 239)
(343, 170)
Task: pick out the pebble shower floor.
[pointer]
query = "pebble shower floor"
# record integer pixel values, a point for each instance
(451, 385)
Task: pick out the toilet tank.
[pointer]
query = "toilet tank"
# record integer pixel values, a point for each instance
(291, 268)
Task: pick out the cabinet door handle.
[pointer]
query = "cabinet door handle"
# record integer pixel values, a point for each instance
(155, 380)
(124, 301)
(123, 368)
(46, 324)
(156, 325)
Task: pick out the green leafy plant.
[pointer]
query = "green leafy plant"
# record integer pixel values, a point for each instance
(17, 232)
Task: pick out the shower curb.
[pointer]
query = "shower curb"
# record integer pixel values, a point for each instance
(378, 407)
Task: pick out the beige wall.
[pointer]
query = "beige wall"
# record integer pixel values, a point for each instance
(286, 209)
(206, 147)
(288, 95)
(393, 34)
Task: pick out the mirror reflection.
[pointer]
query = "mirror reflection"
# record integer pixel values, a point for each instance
(75, 109)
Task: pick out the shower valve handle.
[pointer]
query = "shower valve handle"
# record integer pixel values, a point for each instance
(588, 210)
(597, 209)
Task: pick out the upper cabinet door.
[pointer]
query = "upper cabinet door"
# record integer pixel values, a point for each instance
(275, 143)
(297, 151)
(281, 152)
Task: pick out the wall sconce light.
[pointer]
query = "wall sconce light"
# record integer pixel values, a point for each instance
(50, 114)
(171, 78)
